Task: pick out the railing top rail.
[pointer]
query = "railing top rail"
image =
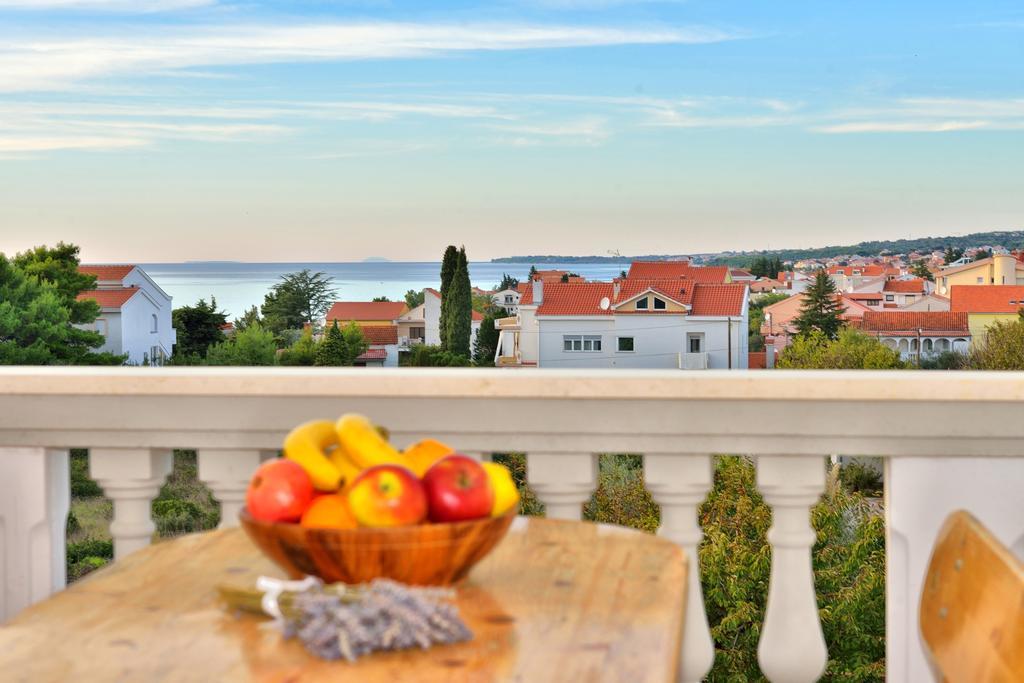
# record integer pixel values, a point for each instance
(710, 385)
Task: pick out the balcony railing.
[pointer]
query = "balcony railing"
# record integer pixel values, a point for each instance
(950, 440)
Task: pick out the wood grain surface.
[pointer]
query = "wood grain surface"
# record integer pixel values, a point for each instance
(972, 605)
(421, 554)
(555, 601)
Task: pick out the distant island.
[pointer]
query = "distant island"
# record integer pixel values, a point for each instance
(376, 259)
(1008, 239)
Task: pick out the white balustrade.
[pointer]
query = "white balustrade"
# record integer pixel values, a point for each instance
(948, 439)
(792, 646)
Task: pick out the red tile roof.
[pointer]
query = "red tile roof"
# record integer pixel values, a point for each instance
(574, 298)
(930, 322)
(109, 298)
(571, 299)
(477, 315)
(658, 269)
(380, 334)
(986, 298)
(716, 300)
(114, 273)
(373, 354)
(864, 296)
(915, 286)
(867, 270)
(431, 290)
(344, 311)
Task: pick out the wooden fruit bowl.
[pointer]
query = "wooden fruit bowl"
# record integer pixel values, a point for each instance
(422, 554)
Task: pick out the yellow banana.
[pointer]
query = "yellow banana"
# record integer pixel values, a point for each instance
(349, 470)
(363, 443)
(307, 445)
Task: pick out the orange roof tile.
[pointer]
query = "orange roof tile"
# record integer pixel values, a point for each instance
(915, 286)
(867, 270)
(717, 300)
(344, 311)
(864, 296)
(110, 273)
(477, 315)
(373, 354)
(109, 298)
(574, 298)
(380, 334)
(986, 298)
(658, 269)
(571, 299)
(931, 322)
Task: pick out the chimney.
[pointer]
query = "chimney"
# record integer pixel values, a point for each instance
(616, 286)
(538, 292)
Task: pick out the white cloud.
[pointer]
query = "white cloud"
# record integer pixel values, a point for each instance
(928, 115)
(590, 130)
(902, 127)
(33, 144)
(133, 6)
(42, 63)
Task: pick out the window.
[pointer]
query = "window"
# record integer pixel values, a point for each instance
(695, 342)
(981, 280)
(890, 297)
(641, 303)
(417, 332)
(625, 344)
(909, 298)
(154, 326)
(577, 342)
(659, 304)
(508, 298)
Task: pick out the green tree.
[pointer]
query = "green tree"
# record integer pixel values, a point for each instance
(486, 344)
(198, 328)
(36, 326)
(297, 299)
(380, 298)
(449, 264)
(820, 310)
(850, 350)
(355, 342)
(59, 266)
(1002, 348)
(920, 269)
(414, 298)
(302, 352)
(251, 346)
(332, 349)
(507, 282)
(459, 320)
(249, 318)
(428, 356)
(952, 254)
(533, 272)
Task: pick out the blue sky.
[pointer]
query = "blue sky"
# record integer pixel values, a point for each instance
(201, 129)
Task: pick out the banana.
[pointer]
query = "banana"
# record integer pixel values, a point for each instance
(363, 444)
(340, 459)
(307, 445)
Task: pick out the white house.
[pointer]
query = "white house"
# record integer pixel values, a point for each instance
(135, 314)
(918, 332)
(507, 299)
(422, 325)
(901, 293)
(632, 322)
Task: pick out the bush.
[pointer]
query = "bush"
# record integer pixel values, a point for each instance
(173, 517)
(620, 497)
(861, 478)
(90, 547)
(529, 504)
(184, 504)
(850, 350)
(81, 485)
(426, 356)
(72, 524)
(947, 360)
(1002, 347)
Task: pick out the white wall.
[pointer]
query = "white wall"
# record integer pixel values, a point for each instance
(137, 336)
(108, 323)
(432, 319)
(392, 359)
(162, 306)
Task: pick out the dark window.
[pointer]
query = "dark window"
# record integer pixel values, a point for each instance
(659, 304)
(641, 303)
(625, 343)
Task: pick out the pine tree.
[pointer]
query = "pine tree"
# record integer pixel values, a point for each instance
(486, 343)
(920, 269)
(449, 264)
(820, 310)
(507, 282)
(533, 272)
(333, 350)
(459, 311)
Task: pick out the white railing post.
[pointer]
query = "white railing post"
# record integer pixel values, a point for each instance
(131, 478)
(34, 499)
(679, 484)
(792, 646)
(227, 472)
(563, 482)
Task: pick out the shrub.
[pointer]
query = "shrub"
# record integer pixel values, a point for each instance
(947, 360)
(184, 503)
(72, 524)
(620, 497)
(90, 547)
(81, 485)
(529, 504)
(173, 517)
(850, 350)
(426, 356)
(861, 478)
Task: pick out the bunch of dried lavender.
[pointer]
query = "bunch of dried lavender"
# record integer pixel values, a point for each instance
(386, 616)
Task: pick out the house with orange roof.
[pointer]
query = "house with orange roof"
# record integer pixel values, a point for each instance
(917, 333)
(901, 293)
(378, 321)
(998, 269)
(779, 324)
(655, 317)
(986, 304)
(135, 313)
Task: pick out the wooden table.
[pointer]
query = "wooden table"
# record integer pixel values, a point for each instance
(555, 601)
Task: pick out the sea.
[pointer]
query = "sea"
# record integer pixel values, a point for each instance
(239, 286)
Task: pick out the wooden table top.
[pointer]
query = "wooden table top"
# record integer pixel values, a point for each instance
(555, 601)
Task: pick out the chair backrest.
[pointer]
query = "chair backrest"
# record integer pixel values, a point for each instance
(972, 605)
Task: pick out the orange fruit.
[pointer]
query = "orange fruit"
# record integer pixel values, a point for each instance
(329, 512)
(423, 454)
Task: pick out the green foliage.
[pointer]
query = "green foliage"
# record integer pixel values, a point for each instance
(952, 254)
(88, 555)
(414, 298)
(449, 264)
(184, 504)
(82, 486)
(173, 517)
(459, 309)
(620, 497)
(332, 349)
(529, 504)
(249, 318)
(861, 478)
(59, 266)
(355, 342)
(851, 350)
(533, 272)
(251, 346)
(507, 282)
(482, 303)
(429, 356)
(299, 298)
(849, 564)
(766, 266)
(302, 352)
(920, 269)
(820, 311)
(947, 360)
(1002, 348)
(486, 343)
(380, 298)
(198, 328)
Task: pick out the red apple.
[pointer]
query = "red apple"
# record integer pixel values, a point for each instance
(387, 495)
(280, 491)
(458, 488)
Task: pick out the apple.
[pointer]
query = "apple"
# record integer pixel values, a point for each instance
(279, 491)
(387, 495)
(458, 488)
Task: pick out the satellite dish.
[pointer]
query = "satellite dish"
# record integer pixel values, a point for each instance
(605, 303)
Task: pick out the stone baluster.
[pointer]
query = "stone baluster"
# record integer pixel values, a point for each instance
(34, 500)
(679, 483)
(227, 472)
(131, 478)
(792, 647)
(563, 482)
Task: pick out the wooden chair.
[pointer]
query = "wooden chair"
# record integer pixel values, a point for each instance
(972, 605)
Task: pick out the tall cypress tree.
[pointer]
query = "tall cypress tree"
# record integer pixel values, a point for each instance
(460, 309)
(449, 264)
(820, 310)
